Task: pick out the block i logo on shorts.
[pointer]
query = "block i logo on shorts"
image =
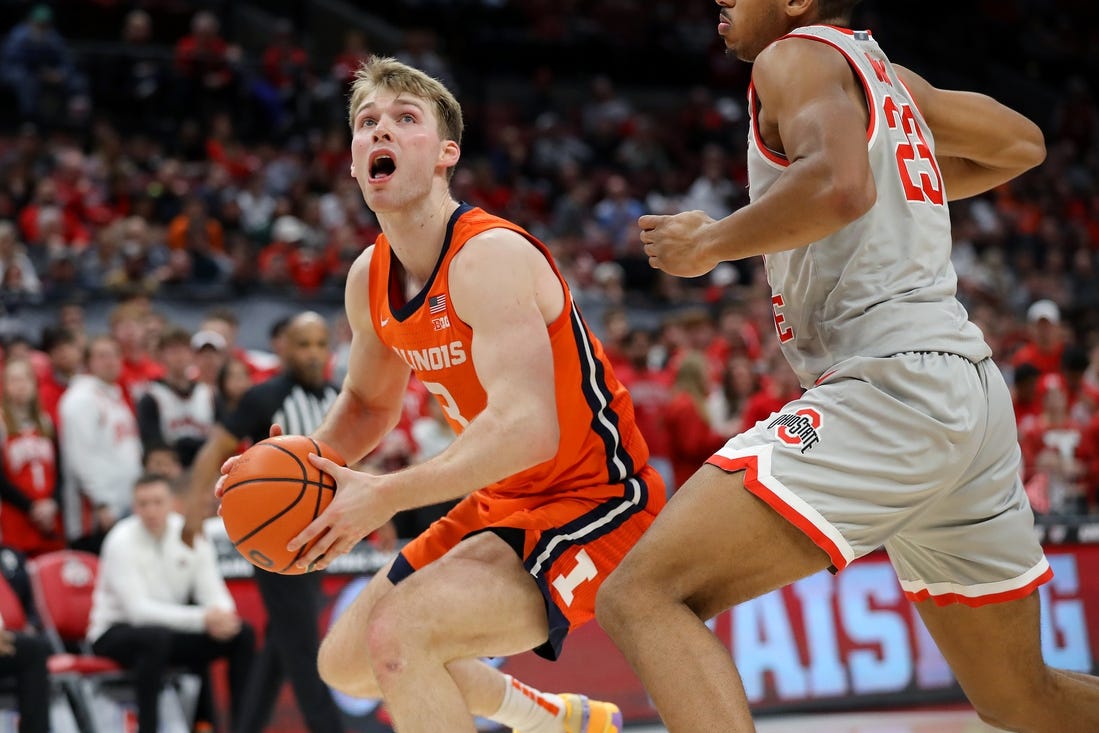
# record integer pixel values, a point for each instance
(800, 428)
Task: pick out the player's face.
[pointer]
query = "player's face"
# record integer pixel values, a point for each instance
(749, 26)
(307, 352)
(396, 150)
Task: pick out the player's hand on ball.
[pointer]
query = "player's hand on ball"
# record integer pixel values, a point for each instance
(358, 509)
(219, 487)
(673, 243)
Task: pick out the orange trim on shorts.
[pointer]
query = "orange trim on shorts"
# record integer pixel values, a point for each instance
(752, 482)
(946, 599)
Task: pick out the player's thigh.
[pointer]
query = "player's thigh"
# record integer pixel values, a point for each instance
(476, 600)
(994, 650)
(344, 644)
(716, 545)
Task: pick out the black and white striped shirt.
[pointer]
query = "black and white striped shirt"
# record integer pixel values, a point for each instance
(283, 400)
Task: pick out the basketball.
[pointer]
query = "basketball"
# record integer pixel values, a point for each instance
(271, 494)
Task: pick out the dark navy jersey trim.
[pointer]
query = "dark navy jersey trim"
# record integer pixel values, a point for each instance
(604, 420)
(403, 312)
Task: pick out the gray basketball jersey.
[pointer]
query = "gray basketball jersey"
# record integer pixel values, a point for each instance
(883, 284)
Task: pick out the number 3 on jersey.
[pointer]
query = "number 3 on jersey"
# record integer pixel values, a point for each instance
(914, 155)
(450, 407)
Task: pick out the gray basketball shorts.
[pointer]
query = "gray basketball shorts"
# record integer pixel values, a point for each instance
(916, 452)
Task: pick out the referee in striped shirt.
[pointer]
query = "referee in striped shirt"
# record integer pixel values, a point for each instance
(296, 399)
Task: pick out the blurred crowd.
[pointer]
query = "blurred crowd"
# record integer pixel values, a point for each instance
(170, 160)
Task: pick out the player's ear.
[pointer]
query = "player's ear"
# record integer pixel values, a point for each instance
(450, 153)
(352, 170)
(798, 8)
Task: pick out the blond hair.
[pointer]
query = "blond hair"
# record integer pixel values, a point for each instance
(38, 416)
(384, 72)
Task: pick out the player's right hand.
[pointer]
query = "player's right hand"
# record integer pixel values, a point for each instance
(219, 487)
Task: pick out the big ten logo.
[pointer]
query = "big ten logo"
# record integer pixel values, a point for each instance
(857, 634)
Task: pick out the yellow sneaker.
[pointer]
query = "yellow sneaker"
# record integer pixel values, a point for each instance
(590, 716)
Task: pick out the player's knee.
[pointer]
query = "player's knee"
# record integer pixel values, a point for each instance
(343, 666)
(389, 639)
(1024, 709)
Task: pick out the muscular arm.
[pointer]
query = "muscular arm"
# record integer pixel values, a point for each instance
(506, 292)
(979, 143)
(805, 89)
(369, 404)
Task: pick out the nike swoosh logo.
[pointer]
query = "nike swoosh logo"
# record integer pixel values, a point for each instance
(385, 322)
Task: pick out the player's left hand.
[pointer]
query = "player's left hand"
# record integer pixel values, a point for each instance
(672, 243)
(357, 510)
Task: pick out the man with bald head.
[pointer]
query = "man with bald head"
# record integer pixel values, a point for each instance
(295, 399)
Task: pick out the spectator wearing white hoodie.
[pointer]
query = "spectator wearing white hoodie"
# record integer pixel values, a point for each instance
(100, 447)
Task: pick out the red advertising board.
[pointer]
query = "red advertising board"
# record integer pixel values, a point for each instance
(848, 640)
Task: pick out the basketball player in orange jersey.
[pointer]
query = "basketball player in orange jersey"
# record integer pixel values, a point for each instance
(905, 436)
(552, 466)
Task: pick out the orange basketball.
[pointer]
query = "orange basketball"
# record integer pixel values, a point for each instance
(271, 494)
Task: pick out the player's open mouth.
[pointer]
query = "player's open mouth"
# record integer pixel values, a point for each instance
(382, 166)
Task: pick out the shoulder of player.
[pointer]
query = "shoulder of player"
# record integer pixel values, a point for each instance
(357, 289)
(492, 251)
(360, 268)
(794, 62)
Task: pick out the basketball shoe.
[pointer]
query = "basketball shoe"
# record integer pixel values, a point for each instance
(582, 715)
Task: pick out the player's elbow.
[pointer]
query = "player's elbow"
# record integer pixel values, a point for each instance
(1032, 147)
(541, 442)
(849, 198)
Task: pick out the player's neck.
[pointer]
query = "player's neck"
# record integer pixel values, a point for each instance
(416, 234)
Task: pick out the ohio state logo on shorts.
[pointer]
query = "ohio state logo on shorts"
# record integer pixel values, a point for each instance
(800, 428)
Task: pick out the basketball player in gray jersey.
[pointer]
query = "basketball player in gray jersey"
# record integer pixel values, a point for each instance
(905, 436)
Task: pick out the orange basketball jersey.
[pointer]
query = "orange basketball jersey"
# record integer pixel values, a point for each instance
(600, 444)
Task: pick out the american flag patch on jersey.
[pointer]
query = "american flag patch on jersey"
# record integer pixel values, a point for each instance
(436, 304)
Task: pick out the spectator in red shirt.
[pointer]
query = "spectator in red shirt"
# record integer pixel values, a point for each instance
(64, 350)
(651, 392)
(1024, 393)
(1046, 343)
(204, 66)
(776, 388)
(70, 230)
(691, 439)
(1053, 448)
(127, 322)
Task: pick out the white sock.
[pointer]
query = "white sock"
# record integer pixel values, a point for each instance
(527, 710)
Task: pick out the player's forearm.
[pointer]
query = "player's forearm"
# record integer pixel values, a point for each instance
(979, 129)
(983, 145)
(807, 203)
(204, 474)
(352, 428)
(493, 447)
